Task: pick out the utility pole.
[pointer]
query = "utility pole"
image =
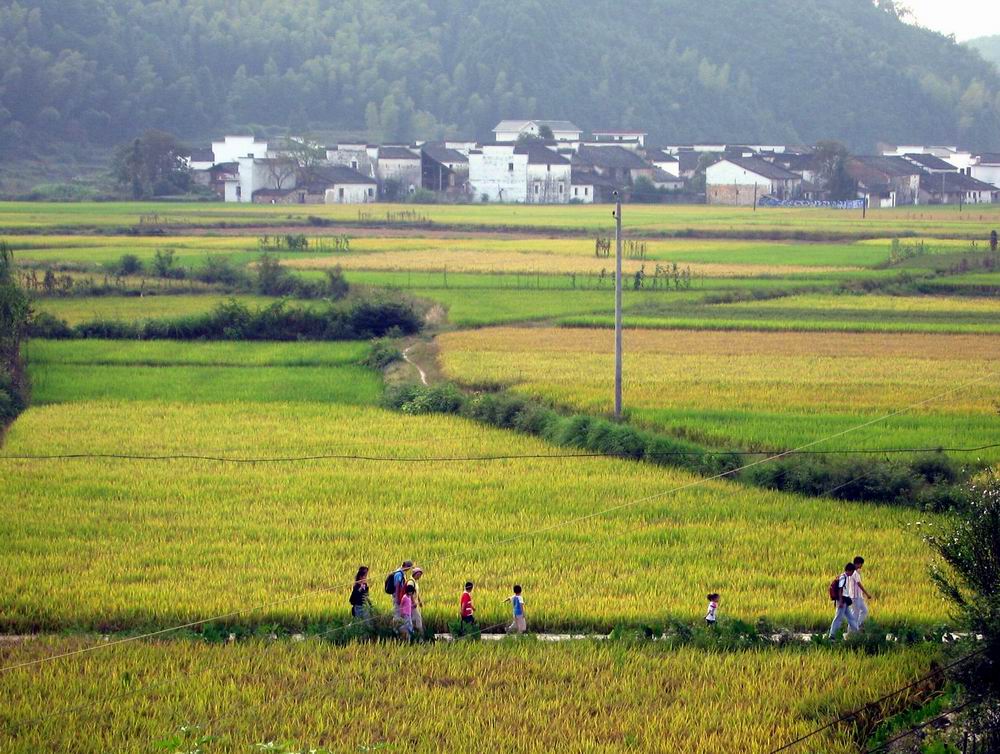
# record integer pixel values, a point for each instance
(618, 306)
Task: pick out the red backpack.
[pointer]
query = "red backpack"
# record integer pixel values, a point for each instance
(835, 589)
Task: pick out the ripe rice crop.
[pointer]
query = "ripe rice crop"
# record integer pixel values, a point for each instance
(512, 696)
(136, 309)
(755, 390)
(115, 544)
(943, 222)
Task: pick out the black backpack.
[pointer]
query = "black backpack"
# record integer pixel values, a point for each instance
(390, 583)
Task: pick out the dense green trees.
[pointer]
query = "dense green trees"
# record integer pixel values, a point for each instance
(988, 47)
(152, 165)
(14, 313)
(799, 70)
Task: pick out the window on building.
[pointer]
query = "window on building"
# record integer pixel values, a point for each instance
(548, 168)
(510, 167)
(576, 191)
(340, 193)
(371, 192)
(537, 188)
(354, 164)
(239, 192)
(561, 188)
(586, 191)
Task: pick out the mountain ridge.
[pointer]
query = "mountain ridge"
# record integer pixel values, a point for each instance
(100, 71)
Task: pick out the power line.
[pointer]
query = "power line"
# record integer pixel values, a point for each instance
(523, 535)
(921, 726)
(482, 458)
(897, 692)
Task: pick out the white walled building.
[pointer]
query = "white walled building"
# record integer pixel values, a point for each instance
(549, 175)
(627, 139)
(399, 164)
(987, 168)
(960, 159)
(508, 131)
(256, 174)
(664, 161)
(738, 181)
(360, 157)
(233, 148)
(498, 174)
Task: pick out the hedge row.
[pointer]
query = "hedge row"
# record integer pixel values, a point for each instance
(359, 320)
(930, 481)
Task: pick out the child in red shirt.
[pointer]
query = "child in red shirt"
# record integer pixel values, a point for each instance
(468, 610)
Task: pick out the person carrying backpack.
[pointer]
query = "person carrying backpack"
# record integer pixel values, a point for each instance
(395, 584)
(841, 594)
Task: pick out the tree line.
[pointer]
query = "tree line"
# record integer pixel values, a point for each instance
(102, 71)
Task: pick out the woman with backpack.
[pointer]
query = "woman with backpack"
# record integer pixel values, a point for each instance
(360, 602)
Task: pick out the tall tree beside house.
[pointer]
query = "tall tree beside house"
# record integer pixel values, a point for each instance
(831, 164)
(153, 164)
(14, 314)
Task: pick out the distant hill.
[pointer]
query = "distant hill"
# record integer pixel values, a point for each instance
(988, 47)
(100, 71)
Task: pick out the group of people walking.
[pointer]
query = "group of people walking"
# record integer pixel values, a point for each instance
(403, 585)
(850, 598)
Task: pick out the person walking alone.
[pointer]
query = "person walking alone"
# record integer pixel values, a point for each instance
(840, 592)
(467, 610)
(360, 601)
(860, 595)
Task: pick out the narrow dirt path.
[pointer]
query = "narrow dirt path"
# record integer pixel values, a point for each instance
(415, 365)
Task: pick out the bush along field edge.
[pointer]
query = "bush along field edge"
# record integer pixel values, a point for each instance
(930, 481)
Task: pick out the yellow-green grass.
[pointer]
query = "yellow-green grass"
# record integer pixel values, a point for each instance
(464, 254)
(945, 222)
(512, 697)
(75, 310)
(117, 544)
(753, 390)
(813, 312)
(71, 371)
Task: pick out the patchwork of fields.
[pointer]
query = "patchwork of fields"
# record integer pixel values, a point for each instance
(768, 345)
(755, 391)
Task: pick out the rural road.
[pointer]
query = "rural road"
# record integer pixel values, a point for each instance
(415, 365)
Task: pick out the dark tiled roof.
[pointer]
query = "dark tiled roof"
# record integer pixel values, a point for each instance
(397, 153)
(441, 153)
(321, 177)
(225, 167)
(586, 178)
(953, 183)
(202, 154)
(658, 155)
(611, 157)
(763, 168)
(930, 162)
(539, 154)
(891, 167)
(989, 158)
(689, 160)
(795, 162)
(662, 176)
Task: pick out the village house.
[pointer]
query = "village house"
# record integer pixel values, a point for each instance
(201, 159)
(886, 181)
(444, 169)
(664, 161)
(398, 171)
(633, 140)
(619, 165)
(548, 174)
(507, 131)
(742, 181)
(498, 173)
(360, 157)
(987, 168)
(232, 148)
(957, 188)
(959, 159)
(334, 184)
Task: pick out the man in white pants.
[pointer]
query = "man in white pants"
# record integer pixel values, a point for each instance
(860, 594)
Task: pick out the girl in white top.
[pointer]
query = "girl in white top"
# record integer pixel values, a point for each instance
(713, 607)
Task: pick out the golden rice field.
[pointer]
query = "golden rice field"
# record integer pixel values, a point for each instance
(513, 697)
(759, 390)
(481, 261)
(943, 222)
(881, 304)
(112, 544)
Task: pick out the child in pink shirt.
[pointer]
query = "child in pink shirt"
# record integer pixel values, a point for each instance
(406, 613)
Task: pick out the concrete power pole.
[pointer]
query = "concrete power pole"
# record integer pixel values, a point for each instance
(618, 306)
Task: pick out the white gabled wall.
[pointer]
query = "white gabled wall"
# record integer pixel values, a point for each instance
(499, 174)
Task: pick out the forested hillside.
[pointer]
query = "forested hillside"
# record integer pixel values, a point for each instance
(988, 47)
(99, 71)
